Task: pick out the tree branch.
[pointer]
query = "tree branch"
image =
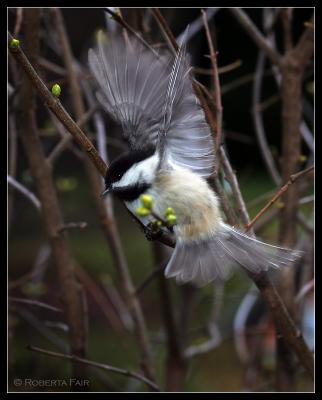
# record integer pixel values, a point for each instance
(95, 364)
(258, 121)
(104, 212)
(215, 75)
(287, 328)
(47, 194)
(55, 106)
(256, 35)
(282, 190)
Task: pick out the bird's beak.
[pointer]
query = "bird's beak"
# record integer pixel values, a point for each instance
(106, 191)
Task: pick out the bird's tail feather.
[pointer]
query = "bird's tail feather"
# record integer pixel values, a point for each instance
(211, 259)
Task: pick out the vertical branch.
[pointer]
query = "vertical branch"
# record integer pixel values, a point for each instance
(232, 179)
(12, 161)
(217, 94)
(258, 120)
(48, 197)
(176, 363)
(106, 218)
(292, 71)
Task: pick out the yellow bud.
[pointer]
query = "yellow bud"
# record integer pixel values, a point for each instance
(14, 44)
(146, 201)
(302, 158)
(56, 90)
(169, 211)
(171, 219)
(142, 212)
(157, 224)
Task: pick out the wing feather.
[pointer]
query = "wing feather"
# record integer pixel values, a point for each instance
(152, 99)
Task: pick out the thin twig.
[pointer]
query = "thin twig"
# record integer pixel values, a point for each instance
(258, 121)
(42, 175)
(256, 35)
(197, 24)
(56, 107)
(308, 287)
(104, 212)
(149, 278)
(52, 67)
(101, 299)
(221, 70)
(66, 139)
(232, 179)
(26, 192)
(125, 25)
(34, 303)
(73, 225)
(164, 27)
(105, 367)
(215, 75)
(19, 20)
(282, 190)
(287, 328)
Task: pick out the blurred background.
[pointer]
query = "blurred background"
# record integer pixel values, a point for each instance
(226, 338)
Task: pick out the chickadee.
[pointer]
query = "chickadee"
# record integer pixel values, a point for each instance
(171, 155)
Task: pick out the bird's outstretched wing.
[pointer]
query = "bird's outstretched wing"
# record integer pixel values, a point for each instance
(152, 97)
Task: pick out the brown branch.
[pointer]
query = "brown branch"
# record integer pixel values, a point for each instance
(66, 139)
(72, 225)
(73, 80)
(108, 223)
(258, 119)
(232, 179)
(176, 362)
(292, 74)
(47, 194)
(287, 328)
(34, 303)
(305, 46)
(286, 16)
(100, 298)
(12, 167)
(19, 20)
(52, 67)
(95, 364)
(165, 29)
(149, 278)
(256, 35)
(215, 76)
(282, 190)
(125, 25)
(55, 106)
(221, 70)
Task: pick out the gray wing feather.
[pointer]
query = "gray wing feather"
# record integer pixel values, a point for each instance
(184, 130)
(152, 98)
(128, 88)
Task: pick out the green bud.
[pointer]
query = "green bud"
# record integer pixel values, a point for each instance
(156, 224)
(142, 212)
(171, 219)
(56, 90)
(169, 211)
(14, 44)
(146, 201)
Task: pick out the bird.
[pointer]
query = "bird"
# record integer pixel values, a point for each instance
(170, 158)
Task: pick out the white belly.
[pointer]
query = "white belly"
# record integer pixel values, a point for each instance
(193, 201)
